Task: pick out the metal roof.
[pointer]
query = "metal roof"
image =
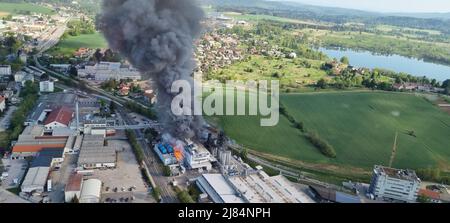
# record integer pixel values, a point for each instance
(61, 115)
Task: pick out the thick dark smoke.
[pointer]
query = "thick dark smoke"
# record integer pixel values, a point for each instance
(156, 36)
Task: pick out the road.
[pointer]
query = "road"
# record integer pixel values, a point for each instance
(150, 159)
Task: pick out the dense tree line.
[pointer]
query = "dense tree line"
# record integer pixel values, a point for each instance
(426, 51)
(78, 27)
(325, 14)
(29, 95)
(432, 174)
(10, 46)
(183, 195)
(149, 113)
(137, 149)
(324, 147)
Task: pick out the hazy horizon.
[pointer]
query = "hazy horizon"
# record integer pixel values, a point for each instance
(385, 6)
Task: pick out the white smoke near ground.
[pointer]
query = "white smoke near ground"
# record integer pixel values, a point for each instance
(156, 37)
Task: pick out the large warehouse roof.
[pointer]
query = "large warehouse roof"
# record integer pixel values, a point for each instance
(35, 179)
(218, 189)
(90, 191)
(261, 188)
(61, 115)
(93, 151)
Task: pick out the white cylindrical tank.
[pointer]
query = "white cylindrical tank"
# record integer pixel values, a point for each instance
(90, 191)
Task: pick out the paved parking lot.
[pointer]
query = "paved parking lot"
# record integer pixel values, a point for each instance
(16, 170)
(125, 177)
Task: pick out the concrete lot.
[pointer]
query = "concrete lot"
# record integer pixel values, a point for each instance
(139, 119)
(61, 177)
(16, 170)
(117, 182)
(8, 197)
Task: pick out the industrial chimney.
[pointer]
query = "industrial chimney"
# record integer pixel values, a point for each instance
(77, 114)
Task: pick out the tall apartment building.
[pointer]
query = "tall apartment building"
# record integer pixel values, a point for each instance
(396, 184)
(5, 70)
(46, 86)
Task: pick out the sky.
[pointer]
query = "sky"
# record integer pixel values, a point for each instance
(385, 5)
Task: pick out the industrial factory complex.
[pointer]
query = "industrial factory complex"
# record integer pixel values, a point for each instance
(69, 146)
(256, 187)
(70, 151)
(79, 148)
(65, 135)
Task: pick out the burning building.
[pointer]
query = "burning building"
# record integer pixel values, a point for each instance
(189, 154)
(165, 153)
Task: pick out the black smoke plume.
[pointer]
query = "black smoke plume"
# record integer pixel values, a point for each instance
(156, 36)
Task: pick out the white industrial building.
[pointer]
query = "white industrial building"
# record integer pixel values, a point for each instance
(110, 70)
(253, 187)
(5, 70)
(37, 174)
(196, 156)
(258, 187)
(218, 189)
(91, 191)
(46, 86)
(396, 184)
(95, 127)
(60, 67)
(22, 77)
(35, 179)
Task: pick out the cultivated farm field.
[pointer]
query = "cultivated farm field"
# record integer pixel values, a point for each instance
(22, 8)
(72, 43)
(361, 126)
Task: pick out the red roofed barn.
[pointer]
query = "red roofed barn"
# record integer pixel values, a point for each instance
(60, 117)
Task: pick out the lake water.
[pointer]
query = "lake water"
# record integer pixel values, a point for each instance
(395, 63)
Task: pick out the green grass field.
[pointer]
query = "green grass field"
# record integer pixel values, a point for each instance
(290, 71)
(252, 17)
(20, 8)
(4, 139)
(360, 125)
(69, 45)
